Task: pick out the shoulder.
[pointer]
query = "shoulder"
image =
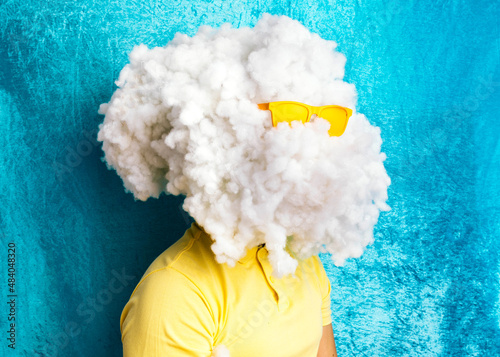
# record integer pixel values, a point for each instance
(313, 270)
(168, 288)
(188, 259)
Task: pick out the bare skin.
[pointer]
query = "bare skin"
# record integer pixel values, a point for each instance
(327, 343)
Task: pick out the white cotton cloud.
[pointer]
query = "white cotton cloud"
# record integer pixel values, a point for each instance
(185, 120)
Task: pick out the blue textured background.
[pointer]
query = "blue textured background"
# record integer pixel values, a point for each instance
(427, 73)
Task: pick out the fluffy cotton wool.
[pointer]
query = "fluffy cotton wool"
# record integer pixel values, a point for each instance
(184, 120)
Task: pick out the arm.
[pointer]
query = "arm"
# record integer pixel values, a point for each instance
(327, 343)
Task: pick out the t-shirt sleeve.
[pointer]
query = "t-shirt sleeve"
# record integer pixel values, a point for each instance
(167, 315)
(325, 287)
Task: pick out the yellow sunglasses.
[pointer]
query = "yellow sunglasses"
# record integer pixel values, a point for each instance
(286, 111)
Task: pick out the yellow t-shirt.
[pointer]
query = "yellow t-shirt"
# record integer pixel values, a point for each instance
(186, 304)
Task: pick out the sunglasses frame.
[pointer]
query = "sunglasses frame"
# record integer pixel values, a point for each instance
(311, 109)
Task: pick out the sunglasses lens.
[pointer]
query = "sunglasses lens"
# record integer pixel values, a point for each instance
(337, 118)
(288, 112)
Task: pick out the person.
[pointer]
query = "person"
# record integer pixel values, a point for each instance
(206, 117)
(187, 304)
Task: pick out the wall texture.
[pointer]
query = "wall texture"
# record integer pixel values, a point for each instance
(427, 73)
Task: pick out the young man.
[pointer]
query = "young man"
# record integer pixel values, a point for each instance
(248, 125)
